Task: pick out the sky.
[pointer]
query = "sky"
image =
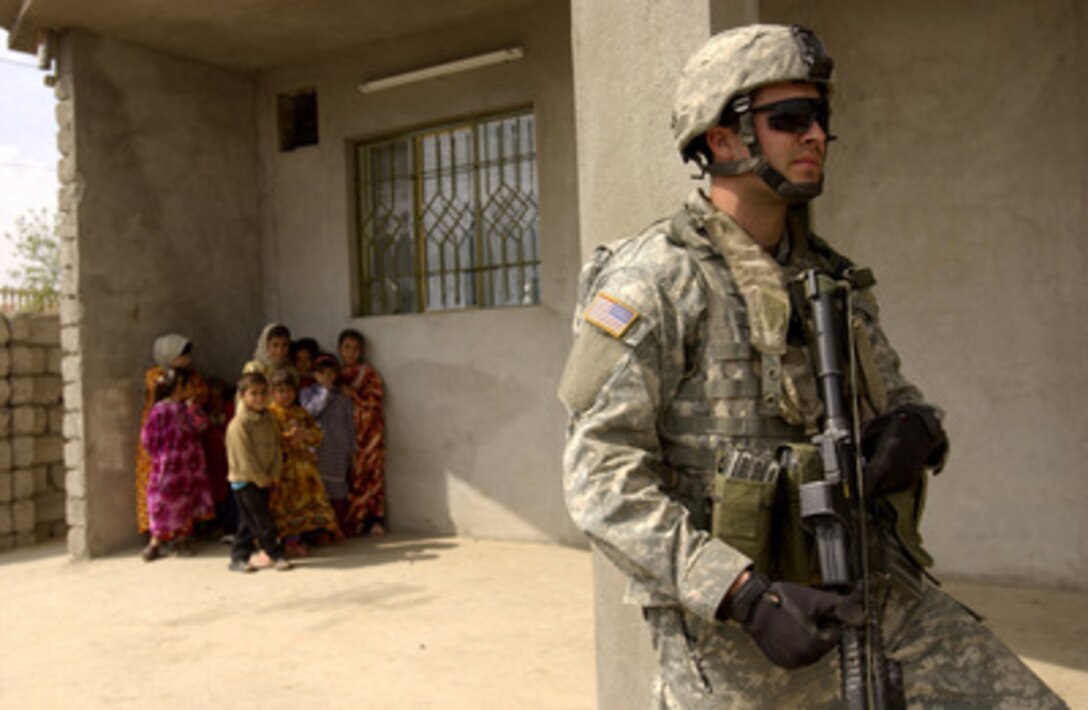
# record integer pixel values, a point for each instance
(28, 145)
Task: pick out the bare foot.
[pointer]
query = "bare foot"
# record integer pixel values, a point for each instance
(261, 560)
(376, 530)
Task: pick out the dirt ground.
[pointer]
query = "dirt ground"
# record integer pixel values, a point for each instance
(404, 623)
(399, 623)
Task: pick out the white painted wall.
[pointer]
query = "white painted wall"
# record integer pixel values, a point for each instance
(474, 429)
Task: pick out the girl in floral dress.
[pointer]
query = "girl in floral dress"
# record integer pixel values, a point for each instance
(366, 508)
(298, 501)
(178, 491)
(172, 350)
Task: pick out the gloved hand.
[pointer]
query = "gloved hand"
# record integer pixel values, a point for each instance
(792, 624)
(899, 445)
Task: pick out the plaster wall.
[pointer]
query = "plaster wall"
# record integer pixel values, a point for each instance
(474, 429)
(960, 178)
(161, 235)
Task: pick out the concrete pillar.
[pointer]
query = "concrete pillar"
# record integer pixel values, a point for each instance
(159, 234)
(627, 58)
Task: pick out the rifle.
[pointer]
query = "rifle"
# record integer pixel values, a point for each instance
(835, 506)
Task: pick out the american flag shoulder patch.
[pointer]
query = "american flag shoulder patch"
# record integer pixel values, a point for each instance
(611, 315)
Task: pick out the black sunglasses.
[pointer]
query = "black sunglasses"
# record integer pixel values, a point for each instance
(797, 115)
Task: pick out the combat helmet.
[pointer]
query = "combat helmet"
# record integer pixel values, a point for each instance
(725, 73)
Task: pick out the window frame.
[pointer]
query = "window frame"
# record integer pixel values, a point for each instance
(525, 271)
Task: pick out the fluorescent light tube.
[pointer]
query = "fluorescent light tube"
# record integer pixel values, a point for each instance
(458, 65)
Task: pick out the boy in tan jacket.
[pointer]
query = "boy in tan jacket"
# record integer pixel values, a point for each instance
(255, 460)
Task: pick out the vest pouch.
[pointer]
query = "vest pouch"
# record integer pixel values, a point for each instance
(795, 556)
(743, 500)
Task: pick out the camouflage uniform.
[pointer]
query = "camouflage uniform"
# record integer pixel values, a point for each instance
(681, 353)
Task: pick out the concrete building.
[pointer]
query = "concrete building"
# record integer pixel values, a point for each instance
(201, 194)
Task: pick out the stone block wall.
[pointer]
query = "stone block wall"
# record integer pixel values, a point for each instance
(32, 473)
(71, 310)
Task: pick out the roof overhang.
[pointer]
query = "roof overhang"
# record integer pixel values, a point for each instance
(246, 35)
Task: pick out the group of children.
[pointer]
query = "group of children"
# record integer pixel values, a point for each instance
(295, 458)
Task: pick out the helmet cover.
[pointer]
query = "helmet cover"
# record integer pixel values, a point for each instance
(735, 63)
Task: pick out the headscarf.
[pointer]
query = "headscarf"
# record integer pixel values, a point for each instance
(260, 353)
(168, 348)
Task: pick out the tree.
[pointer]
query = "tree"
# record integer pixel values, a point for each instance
(37, 247)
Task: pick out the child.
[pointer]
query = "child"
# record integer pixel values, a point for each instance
(333, 413)
(366, 512)
(255, 460)
(168, 351)
(178, 491)
(303, 353)
(272, 351)
(298, 501)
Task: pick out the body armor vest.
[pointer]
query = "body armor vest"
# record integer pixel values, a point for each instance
(737, 464)
(724, 436)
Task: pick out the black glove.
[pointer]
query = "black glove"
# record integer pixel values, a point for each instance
(792, 624)
(899, 445)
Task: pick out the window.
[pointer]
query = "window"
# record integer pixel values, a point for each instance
(448, 218)
(297, 114)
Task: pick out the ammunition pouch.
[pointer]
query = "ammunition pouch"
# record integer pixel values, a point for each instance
(755, 508)
(743, 500)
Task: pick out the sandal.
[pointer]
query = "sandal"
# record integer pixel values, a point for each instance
(152, 552)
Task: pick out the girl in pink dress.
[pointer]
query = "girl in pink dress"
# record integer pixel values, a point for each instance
(178, 490)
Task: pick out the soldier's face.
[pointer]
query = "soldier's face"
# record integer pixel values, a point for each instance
(795, 148)
(797, 154)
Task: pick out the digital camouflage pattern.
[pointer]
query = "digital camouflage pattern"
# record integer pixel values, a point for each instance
(643, 505)
(949, 660)
(761, 280)
(732, 63)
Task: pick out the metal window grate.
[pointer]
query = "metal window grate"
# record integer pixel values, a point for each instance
(448, 218)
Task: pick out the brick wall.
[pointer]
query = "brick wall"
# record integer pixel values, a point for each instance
(32, 491)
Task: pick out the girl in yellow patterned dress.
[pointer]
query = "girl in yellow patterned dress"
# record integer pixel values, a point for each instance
(298, 501)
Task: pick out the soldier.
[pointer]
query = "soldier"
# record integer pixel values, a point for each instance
(689, 387)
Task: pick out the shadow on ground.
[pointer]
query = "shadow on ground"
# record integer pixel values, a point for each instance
(1045, 624)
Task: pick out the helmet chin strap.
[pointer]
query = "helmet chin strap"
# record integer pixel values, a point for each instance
(792, 192)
